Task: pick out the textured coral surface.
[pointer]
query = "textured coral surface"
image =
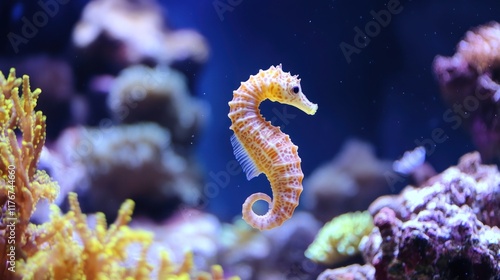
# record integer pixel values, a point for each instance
(445, 229)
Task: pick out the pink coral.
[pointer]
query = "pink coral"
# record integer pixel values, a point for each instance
(446, 228)
(470, 84)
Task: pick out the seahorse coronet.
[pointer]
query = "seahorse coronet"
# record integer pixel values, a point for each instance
(261, 147)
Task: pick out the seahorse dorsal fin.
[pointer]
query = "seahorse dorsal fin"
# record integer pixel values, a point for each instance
(248, 165)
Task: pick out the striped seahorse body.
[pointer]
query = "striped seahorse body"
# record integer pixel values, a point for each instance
(263, 148)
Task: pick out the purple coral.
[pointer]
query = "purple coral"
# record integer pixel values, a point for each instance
(445, 229)
(470, 84)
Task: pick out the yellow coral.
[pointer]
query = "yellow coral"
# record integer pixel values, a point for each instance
(99, 253)
(481, 47)
(340, 237)
(65, 247)
(21, 184)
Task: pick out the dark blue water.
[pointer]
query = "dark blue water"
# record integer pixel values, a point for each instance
(381, 90)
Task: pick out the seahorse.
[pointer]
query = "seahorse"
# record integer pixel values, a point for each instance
(261, 147)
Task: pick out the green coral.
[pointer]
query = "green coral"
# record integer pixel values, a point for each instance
(340, 237)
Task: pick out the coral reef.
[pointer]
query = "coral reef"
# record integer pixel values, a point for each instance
(122, 33)
(67, 246)
(243, 248)
(110, 36)
(274, 254)
(351, 272)
(446, 228)
(101, 252)
(340, 238)
(470, 83)
(480, 48)
(22, 185)
(413, 163)
(148, 155)
(141, 147)
(348, 183)
(189, 230)
(130, 161)
(160, 95)
(66, 176)
(240, 249)
(288, 243)
(54, 75)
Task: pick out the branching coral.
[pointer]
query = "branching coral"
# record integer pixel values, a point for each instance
(340, 237)
(66, 247)
(58, 96)
(101, 252)
(21, 184)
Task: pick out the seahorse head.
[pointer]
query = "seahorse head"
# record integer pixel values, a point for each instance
(285, 88)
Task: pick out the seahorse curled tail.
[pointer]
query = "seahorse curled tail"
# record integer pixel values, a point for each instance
(262, 148)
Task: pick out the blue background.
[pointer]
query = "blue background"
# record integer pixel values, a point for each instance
(387, 95)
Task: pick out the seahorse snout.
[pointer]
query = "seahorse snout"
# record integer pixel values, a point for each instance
(305, 105)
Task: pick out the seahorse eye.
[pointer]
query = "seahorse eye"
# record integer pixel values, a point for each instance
(295, 89)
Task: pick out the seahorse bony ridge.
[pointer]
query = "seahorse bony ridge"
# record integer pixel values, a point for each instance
(263, 148)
